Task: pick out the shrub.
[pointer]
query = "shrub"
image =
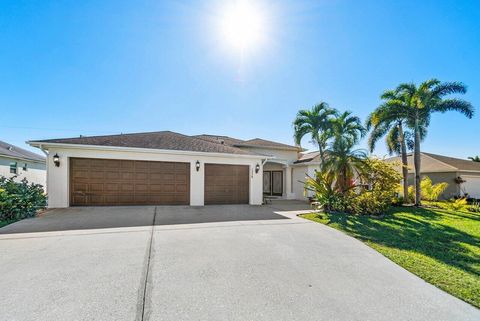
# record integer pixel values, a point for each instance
(20, 200)
(382, 181)
(322, 186)
(374, 195)
(474, 207)
(459, 204)
(430, 191)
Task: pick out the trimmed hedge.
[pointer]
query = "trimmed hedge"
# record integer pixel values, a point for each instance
(19, 200)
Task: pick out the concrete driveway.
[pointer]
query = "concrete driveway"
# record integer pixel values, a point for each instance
(164, 263)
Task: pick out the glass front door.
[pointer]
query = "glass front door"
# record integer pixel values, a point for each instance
(273, 183)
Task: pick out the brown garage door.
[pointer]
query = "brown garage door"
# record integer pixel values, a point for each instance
(128, 182)
(226, 184)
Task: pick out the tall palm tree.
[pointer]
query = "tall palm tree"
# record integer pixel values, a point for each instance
(475, 159)
(421, 102)
(343, 159)
(317, 123)
(388, 120)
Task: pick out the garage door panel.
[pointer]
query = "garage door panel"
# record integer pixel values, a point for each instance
(128, 182)
(226, 184)
(127, 175)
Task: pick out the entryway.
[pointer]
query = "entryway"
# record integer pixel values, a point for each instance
(273, 183)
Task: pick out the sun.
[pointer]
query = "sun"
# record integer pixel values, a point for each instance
(243, 25)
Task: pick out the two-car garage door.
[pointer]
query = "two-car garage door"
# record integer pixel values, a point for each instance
(130, 182)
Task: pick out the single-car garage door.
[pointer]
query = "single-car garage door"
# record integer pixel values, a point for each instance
(128, 182)
(472, 186)
(226, 184)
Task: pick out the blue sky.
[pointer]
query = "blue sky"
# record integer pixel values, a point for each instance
(99, 67)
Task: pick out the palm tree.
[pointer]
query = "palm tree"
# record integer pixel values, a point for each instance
(317, 123)
(344, 163)
(421, 102)
(475, 158)
(388, 120)
(342, 159)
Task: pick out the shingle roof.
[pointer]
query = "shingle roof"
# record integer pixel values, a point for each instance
(458, 163)
(440, 163)
(154, 140)
(220, 139)
(308, 157)
(258, 142)
(12, 151)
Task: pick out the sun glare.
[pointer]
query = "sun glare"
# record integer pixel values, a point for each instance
(243, 25)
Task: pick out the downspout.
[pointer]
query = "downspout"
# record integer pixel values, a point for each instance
(43, 150)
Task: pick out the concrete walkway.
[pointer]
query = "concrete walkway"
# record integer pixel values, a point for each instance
(257, 263)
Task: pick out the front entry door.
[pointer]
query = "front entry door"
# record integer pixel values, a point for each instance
(267, 183)
(273, 183)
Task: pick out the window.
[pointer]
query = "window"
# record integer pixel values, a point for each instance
(25, 167)
(13, 168)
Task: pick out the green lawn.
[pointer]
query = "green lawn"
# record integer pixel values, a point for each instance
(441, 247)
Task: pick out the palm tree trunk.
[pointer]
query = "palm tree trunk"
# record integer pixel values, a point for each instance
(401, 138)
(417, 162)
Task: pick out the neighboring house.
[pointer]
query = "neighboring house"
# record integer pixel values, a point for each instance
(18, 162)
(169, 168)
(450, 170)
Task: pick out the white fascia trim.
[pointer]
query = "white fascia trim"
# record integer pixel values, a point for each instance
(292, 149)
(305, 164)
(43, 145)
(23, 159)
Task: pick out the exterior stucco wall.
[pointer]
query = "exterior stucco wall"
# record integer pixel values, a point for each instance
(58, 177)
(440, 177)
(279, 155)
(299, 174)
(35, 173)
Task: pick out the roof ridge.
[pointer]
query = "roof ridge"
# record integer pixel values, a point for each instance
(121, 134)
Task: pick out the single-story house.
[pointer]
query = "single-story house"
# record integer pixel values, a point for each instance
(20, 163)
(462, 176)
(160, 168)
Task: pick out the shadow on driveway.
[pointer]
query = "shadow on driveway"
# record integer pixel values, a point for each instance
(86, 218)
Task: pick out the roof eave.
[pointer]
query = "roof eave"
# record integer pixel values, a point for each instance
(46, 145)
(269, 147)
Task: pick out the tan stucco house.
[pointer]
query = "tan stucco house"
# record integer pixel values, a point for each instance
(462, 176)
(20, 163)
(164, 167)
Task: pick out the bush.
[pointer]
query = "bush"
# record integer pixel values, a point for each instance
(430, 191)
(375, 193)
(459, 204)
(474, 207)
(382, 181)
(20, 200)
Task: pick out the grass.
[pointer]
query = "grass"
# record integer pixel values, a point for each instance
(441, 247)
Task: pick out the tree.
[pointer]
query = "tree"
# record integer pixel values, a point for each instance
(475, 158)
(389, 120)
(418, 103)
(423, 101)
(343, 160)
(317, 123)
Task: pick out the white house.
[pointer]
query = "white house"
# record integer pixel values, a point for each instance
(164, 167)
(20, 163)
